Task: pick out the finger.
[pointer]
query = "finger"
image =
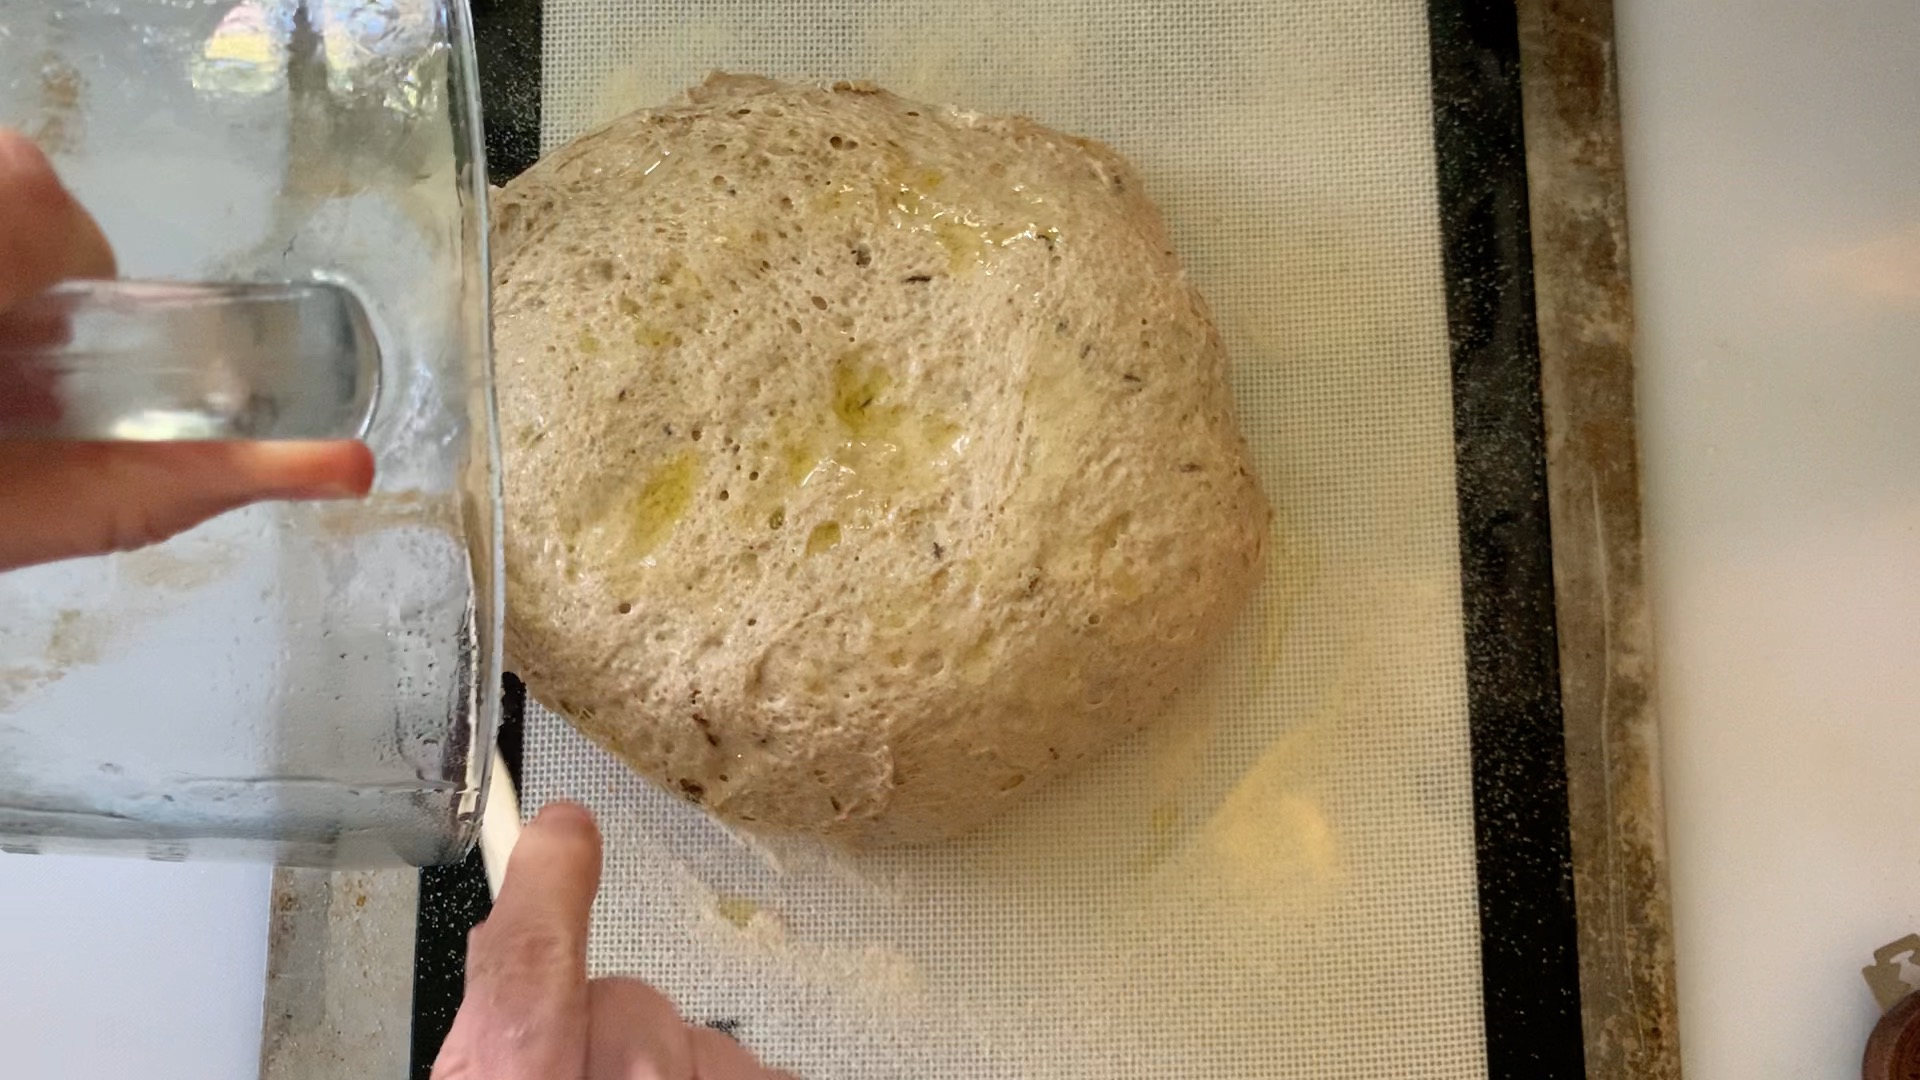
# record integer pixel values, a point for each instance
(551, 880)
(45, 235)
(30, 388)
(635, 1033)
(29, 393)
(525, 1012)
(62, 499)
(716, 1056)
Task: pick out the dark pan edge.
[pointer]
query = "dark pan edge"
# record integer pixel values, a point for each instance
(1529, 959)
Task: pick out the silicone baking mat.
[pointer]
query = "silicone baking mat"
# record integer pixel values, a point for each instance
(1283, 878)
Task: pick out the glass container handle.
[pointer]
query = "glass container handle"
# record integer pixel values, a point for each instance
(154, 361)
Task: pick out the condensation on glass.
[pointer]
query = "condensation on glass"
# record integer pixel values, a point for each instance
(308, 682)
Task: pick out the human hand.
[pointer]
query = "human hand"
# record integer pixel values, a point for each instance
(530, 1012)
(62, 499)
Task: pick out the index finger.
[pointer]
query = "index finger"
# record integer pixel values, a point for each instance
(525, 1012)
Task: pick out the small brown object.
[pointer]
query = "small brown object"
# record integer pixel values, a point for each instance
(1893, 1050)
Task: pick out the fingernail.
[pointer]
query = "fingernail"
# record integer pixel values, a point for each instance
(318, 492)
(17, 152)
(563, 811)
(338, 491)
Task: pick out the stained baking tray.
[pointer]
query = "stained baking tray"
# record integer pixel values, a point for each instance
(1568, 889)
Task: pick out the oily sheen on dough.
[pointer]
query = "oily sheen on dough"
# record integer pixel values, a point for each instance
(867, 463)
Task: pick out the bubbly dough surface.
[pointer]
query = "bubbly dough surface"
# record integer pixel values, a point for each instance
(868, 462)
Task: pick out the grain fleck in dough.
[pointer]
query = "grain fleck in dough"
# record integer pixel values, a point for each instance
(868, 463)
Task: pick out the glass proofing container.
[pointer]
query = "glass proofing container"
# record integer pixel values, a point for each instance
(313, 683)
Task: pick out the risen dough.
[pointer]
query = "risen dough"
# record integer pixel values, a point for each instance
(868, 463)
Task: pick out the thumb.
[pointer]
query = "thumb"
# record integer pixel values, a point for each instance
(63, 499)
(524, 1016)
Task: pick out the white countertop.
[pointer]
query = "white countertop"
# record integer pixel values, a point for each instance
(1774, 179)
(1773, 155)
(118, 968)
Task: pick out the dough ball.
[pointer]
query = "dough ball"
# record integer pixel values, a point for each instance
(868, 463)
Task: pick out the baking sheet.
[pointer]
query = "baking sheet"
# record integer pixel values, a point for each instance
(1280, 880)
